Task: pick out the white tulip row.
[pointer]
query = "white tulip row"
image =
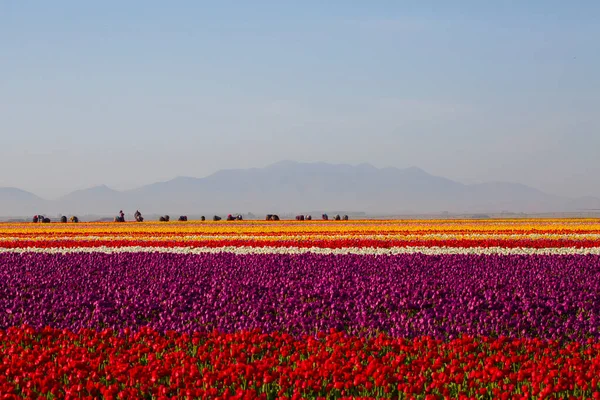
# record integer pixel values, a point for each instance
(314, 250)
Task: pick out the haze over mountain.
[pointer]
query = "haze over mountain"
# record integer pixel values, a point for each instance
(289, 186)
(15, 201)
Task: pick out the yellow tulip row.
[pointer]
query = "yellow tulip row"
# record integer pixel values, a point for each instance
(359, 227)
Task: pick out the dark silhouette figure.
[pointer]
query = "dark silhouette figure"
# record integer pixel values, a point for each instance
(63, 219)
(202, 218)
(182, 218)
(216, 218)
(299, 217)
(164, 218)
(120, 217)
(138, 216)
(325, 217)
(74, 219)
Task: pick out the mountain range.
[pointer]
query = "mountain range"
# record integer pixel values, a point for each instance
(289, 186)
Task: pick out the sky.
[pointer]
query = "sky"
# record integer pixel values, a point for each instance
(130, 93)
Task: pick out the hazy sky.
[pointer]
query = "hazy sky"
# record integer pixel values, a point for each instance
(125, 93)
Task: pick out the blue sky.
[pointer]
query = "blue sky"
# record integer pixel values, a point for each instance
(128, 93)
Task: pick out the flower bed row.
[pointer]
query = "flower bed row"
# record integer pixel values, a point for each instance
(372, 251)
(55, 363)
(83, 234)
(552, 297)
(345, 229)
(335, 243)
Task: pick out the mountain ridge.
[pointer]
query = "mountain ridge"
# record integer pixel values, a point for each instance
(290, 186)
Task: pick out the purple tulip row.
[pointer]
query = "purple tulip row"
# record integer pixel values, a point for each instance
(552, 297)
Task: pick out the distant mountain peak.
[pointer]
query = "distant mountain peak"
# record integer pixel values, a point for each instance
(97, 188)
(366, 166)
(100, 187)
(299, 164)
(12, 189)
(282, 163)
(83, 195)
(184, 179)
(291, 186)
(9, 190)
(415, 170)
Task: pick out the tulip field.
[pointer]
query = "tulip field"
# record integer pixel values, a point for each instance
(402, 309)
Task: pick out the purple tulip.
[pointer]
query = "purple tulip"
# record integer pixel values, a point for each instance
(407, 295)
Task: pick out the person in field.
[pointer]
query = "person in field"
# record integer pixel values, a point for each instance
(120, 217)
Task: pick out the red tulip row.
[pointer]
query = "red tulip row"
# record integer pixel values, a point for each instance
(333, 234)
(333, 243)
(53, 363)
